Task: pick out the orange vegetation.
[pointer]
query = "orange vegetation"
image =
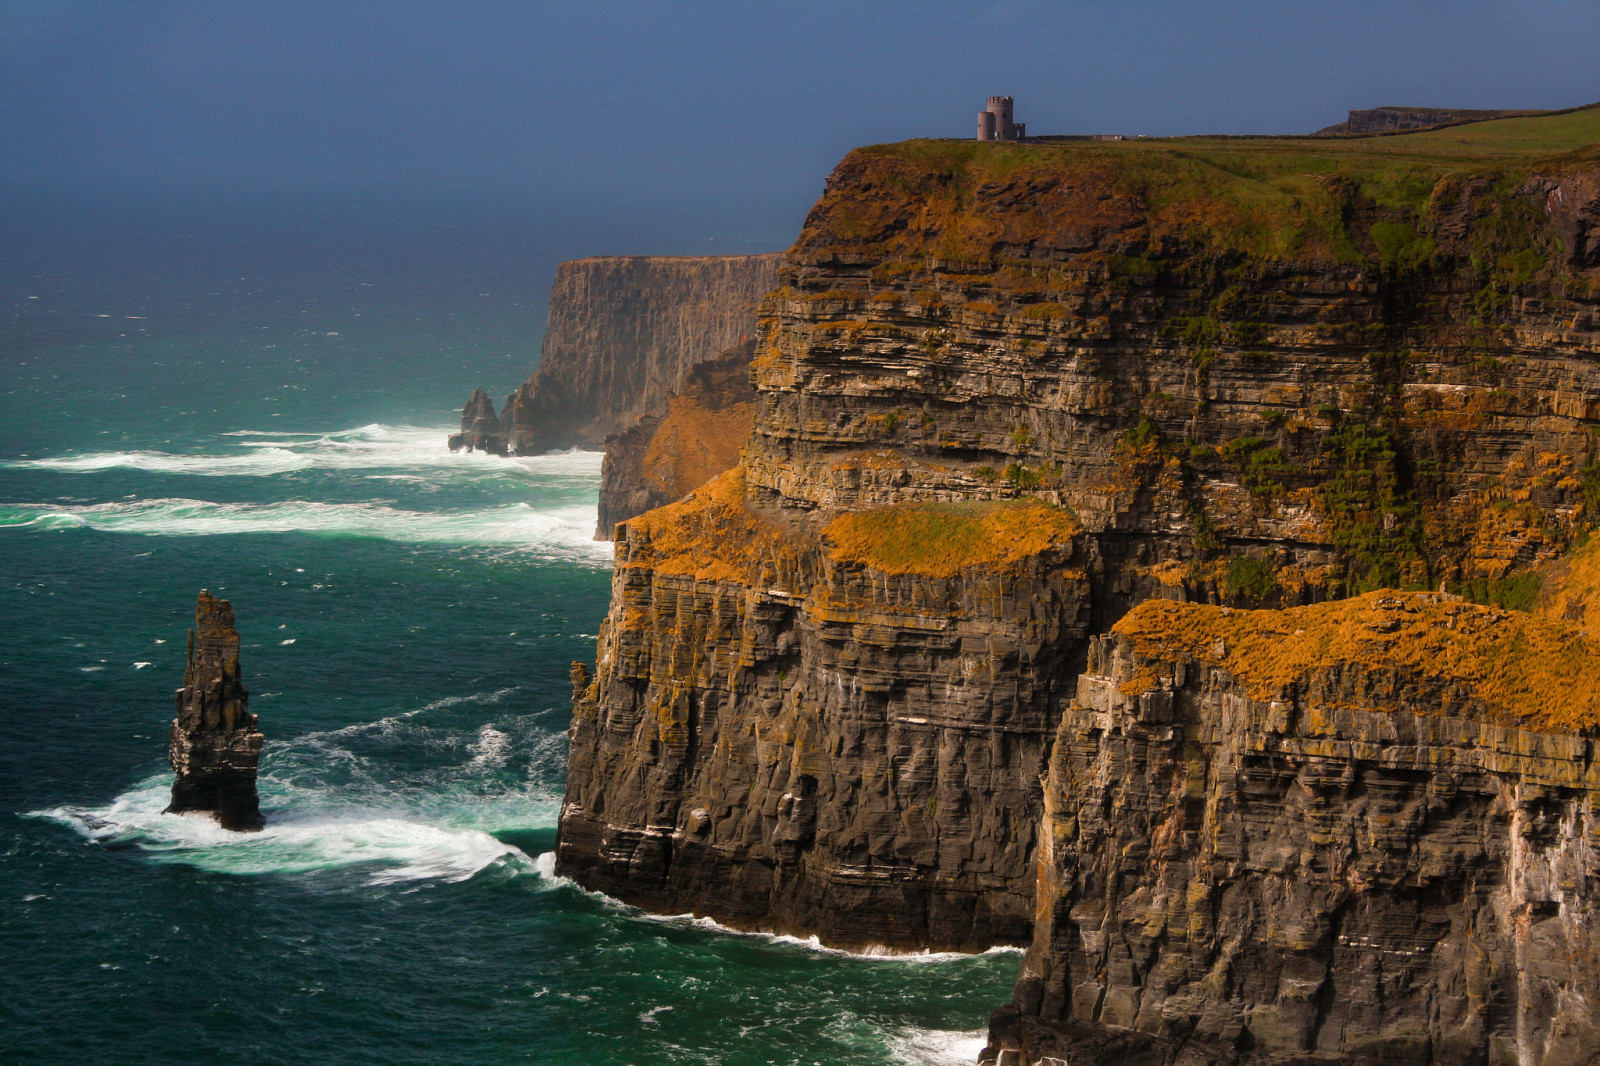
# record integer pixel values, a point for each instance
(694, 443)
(943, 539)
(709, 535)
(1571, 590)
(1539, 674)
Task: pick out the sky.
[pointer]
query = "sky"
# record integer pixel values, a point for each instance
(726, 116)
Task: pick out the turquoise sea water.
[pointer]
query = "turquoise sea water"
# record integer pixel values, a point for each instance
(265, 418)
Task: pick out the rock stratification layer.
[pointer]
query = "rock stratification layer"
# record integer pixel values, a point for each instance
(1005, 393)
(215, 742)
(1339, 834)
(622, 332)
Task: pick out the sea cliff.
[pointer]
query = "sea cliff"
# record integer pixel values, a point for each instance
(1358, 832)
(618, 372)
(622, 332)
(1007, 393)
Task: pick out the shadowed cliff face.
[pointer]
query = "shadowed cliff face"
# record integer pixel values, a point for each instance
(1323, 860)
(661, 459)
(622, 332)
(1248, 372)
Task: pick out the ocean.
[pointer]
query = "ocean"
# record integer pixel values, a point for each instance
(255, 401)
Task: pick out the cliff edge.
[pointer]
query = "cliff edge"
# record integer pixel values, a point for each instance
(1005, 395)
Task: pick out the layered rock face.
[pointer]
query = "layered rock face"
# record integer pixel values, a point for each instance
(1005, 393)
(1352, 856)
(622, 332)
(792, 738)
(215, 743)
(661, 459)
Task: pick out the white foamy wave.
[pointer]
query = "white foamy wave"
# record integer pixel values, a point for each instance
(400, 799)
(813, 943)
(563, 530)
(371, 447)
(938, 1047)
(489, 750)
(395, 846)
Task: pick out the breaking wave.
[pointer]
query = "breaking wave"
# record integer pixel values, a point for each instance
(938, 1047)
(371, 447)
(561, 530)
(398, 799)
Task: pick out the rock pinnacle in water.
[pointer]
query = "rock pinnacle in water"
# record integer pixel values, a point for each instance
(215, 743)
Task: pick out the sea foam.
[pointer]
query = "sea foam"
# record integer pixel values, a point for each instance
(371, 447)
(333, 801)
(560, 531)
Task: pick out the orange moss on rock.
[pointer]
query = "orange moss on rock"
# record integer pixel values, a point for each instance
(694, 443)
(943, 539)
(710, 535)
(1571, 590)
(1536, 674)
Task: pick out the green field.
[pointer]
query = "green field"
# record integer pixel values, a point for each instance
(1277, 197)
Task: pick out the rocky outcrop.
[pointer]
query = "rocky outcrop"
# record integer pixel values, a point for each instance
(480, 427)
(622, 332)
(1299, 837)
(215, 742)
(1005, 394)
(663, 458)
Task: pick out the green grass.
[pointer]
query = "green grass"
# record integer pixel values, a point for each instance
(1279, 197)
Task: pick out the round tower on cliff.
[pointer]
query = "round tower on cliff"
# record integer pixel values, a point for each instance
(994, 121)
(1000, 108)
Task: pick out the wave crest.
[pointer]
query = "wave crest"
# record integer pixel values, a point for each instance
(268, 454)
(563, 531)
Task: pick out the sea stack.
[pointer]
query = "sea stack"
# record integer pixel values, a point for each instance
(215, 743)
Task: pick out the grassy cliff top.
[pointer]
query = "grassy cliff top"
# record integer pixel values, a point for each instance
(1283, 197)
(1535, 673)
(709, 535)
(943, 539)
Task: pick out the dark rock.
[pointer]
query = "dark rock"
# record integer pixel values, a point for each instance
(1328, 877)
(782, 735)
(480, 427)
(215, 744)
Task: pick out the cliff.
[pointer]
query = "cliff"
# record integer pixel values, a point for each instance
(663, 458)
(1389, 119)
(622, 332)
(215, 743)
(1005, 393)
(1357, 832)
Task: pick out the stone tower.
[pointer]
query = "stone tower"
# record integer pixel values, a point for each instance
(994, 122)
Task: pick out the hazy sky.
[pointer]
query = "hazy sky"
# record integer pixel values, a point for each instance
(700, 107)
